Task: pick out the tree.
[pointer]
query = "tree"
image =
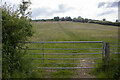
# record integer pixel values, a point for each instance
(74, 20)
(116, 20)
(104, 19)
(62, 19)
(86, 20)
(82, 20)
(24, 6)
(15, 29)
(79, 17)
(56, 18)
(68, 18)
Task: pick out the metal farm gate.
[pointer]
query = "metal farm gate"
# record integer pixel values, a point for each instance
(66, 54)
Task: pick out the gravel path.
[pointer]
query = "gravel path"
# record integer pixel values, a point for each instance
(84, 73)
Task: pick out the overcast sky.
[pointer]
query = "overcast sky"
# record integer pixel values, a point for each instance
(91, 9)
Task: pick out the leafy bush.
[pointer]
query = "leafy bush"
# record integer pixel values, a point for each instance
(15, 29)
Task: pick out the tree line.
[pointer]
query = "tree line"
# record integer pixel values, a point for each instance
(82, 20)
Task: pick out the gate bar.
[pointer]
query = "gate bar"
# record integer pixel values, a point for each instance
(68, 63)
(61, 53)
(65, 49)
(66, 67)
(68, 42)
(63, 58)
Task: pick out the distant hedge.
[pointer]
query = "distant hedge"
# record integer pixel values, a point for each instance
(106, 23)
(82, 20)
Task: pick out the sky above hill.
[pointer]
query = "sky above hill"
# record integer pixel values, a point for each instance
(91, 9)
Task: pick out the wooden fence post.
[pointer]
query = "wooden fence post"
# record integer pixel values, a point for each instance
(107, 52)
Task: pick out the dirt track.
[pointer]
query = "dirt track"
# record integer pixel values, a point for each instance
(84, 73)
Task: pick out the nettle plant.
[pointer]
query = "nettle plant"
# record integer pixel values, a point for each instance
(16, 28)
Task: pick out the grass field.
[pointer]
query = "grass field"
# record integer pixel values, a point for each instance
(69, 31)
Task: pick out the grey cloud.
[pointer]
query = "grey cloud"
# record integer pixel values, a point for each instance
(39, 11)
(49, 12)
(101, 4)
(61, 9)
(114, 4)
(119, 4)
(109, 4)
(106, 13)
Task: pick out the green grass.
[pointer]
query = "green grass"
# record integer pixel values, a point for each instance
(107, 70)
(68, 31)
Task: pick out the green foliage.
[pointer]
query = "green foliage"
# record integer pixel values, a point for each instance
(15, 29)
(108, 70)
